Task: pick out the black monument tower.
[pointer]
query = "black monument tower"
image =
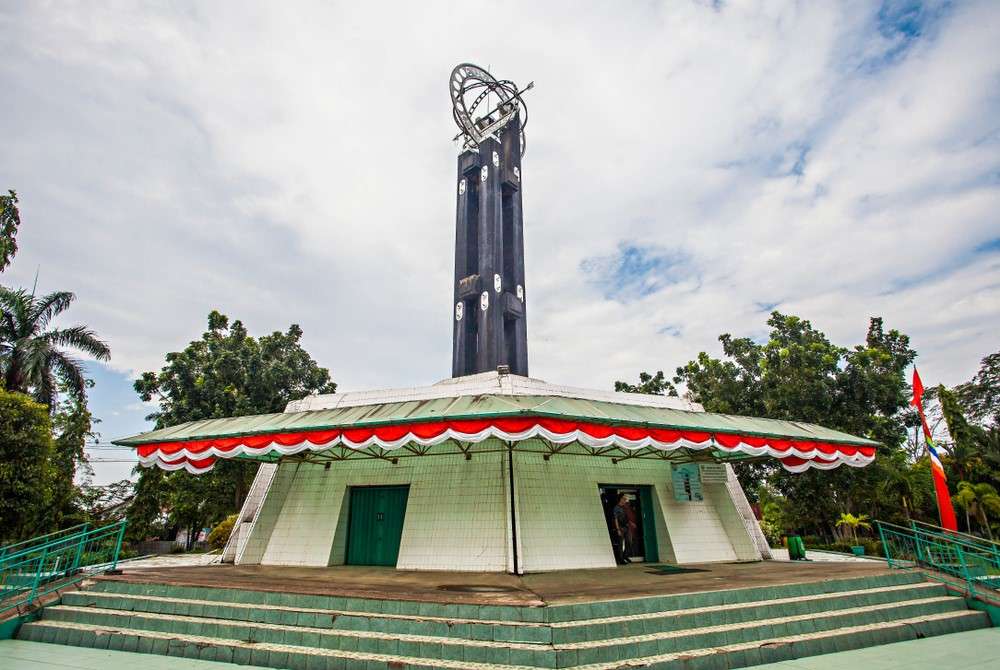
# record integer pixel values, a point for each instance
(490, 327)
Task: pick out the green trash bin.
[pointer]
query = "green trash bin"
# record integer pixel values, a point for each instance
(796, 548)
(858, 550)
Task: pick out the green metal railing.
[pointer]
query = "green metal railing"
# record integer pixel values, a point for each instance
(18, 547)
(42, 565)
(971, 562)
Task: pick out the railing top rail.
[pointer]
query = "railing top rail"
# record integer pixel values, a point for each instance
(952, 533)
(9, 548)
(67, 540)
(945, 536)
(39, 571)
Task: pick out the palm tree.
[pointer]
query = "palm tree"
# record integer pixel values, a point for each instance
(32, 357)
(854, 522)
(979, 500)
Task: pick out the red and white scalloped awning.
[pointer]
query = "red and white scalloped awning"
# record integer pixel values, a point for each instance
(796, 455)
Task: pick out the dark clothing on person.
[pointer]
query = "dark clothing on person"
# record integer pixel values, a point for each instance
(620, 533)
(621, 518)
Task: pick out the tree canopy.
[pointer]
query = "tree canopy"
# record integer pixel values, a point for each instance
(226, 372)
(26, 479)
(10, 221)
(34, 357)
(799, 374)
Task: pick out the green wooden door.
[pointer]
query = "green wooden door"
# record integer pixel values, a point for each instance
(376, 524)
(648, 524)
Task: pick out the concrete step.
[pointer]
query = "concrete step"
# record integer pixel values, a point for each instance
(503, 631)
(621, 647)
(765, 650)
(493, 613)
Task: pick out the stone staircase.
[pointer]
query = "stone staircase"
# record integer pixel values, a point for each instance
(711, 629)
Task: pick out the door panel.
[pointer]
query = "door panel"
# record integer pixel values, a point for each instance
(376, 524)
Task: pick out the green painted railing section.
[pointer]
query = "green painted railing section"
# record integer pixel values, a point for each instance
(18, 547)
(44, 564)
(973, 563)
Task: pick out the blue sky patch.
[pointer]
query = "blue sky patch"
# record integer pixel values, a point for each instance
(636, 271)
(989, 247)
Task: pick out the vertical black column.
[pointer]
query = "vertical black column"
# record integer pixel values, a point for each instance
(516, 330)
(466, 294)
(489, 306)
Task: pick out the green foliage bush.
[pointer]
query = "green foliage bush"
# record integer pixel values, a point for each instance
(220, 534)
(26, 449)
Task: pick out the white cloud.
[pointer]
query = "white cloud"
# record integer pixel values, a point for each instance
(294, 166)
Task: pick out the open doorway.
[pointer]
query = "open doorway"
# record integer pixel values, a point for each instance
(629, 514)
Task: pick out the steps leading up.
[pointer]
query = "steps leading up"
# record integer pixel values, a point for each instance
(713, 629)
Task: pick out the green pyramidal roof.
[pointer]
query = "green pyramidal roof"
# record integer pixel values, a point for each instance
(482, 406)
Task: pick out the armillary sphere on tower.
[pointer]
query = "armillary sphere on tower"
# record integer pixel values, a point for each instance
(482, 105)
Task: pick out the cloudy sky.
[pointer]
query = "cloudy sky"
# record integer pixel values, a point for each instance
(691, 166)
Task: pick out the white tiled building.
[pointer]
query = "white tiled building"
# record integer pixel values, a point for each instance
(460, 513)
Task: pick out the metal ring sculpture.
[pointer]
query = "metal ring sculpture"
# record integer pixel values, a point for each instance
(470, 86)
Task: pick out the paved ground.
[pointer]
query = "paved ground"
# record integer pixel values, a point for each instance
(172, 560)
(781, 554)
(18, 655)
(497, 588)
(975, 650)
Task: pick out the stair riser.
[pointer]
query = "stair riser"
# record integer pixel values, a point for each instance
(459, 650)
(539, 634)
(749, 633)
(305, 601)
(499, 633)
(596, 610)
(304, 661)
(829, 645)
(555, 613)
(585, 632)
(431, 650)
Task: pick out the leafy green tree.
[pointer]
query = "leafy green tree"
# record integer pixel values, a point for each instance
(979, 500)
(226, 372)
(903, 484)
(798, 374)
(981, 395)
(72, 425)
(10, 220)
(650, 384)
(965, 442)
(25, 473)
(852, 523)
(33, 358)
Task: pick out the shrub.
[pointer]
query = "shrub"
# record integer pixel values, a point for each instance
(220, 534)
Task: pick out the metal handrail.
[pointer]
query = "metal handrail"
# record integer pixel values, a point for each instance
(969, 541)
(972, 539)
(42, 569)
(9, 549)
(975, 564)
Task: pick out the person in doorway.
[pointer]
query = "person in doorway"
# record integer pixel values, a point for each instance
(619, 518)
(632, 529)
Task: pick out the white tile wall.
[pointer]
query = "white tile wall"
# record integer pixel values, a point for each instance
(260, 533)
(697, 532)
(458, 513)
(455, 515)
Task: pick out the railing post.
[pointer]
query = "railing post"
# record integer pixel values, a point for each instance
(38, 576)
(965, 570)
(885, 545)
(118, 544)
(79, 552)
